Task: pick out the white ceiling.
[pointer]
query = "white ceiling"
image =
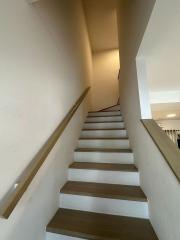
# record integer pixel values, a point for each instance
(161, 110)
(102, 24)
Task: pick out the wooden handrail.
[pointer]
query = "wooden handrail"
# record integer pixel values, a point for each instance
(168, 149)
(12, 198)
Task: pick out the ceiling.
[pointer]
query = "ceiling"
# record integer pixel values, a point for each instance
(161, 110)
(102, 24)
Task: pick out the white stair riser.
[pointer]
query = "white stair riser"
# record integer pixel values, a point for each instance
(99, 176)
(104, 143)
(104, 119)
(105, 205)
(104, 157)
(104, 125)
(54, 236)
(104, 113)
(104, 133)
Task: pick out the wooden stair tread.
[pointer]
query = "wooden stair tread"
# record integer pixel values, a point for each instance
(96, 226)
(113, 115)
(103, 138)
(115, 121)
(104, 166)
(105, 150)
(104, 190)
(105, 111)
(104, 129)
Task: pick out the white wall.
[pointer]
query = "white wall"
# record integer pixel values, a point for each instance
(45, 65)
(157, 97)
(144, 96)
(105, 79)
(160, 47)
(157, 179)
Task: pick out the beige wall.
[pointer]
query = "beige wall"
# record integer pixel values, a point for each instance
(101, 15)
(105, 79)
(45, 64)
(157, 179)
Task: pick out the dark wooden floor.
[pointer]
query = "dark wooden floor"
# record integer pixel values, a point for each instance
(104, 166)
(100, 226)
(104, 190)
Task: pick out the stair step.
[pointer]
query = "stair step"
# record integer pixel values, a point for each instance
(104, 129)
(124, 174)
(104, 198)
(104, 119)
(123, 156)
(110, 113)
(115, 121)
(103, 138)
(103, 190)
(104, 125)
(104, 143)
(122, 133)
(103, 150)
(107, 116)
(104, 166)
(88, 225)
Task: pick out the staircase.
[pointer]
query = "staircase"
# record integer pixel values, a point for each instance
(102, 198)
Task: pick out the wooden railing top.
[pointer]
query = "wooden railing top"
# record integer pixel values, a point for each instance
(15, 194)
(168, 149)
